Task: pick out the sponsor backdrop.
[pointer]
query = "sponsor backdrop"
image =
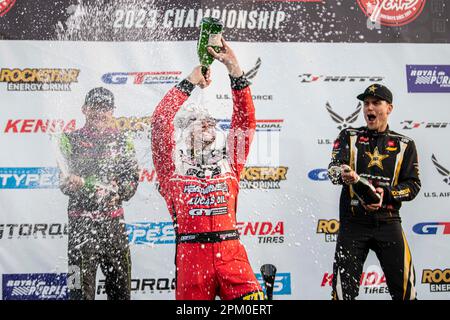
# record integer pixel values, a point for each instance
(307, 60)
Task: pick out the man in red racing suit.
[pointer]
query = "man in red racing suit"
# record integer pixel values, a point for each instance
(210, 259)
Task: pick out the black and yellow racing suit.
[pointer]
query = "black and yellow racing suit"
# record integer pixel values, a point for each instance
(389, 161)
(97, 230)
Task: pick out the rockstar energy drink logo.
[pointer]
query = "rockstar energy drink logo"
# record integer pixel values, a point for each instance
(45, 79)
(438, 279)
(132, 124)
(262, 177)
(328, 227)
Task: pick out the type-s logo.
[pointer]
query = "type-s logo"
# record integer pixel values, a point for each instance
(5, 6)
(318, 175)
(151, 233)
(343, 123)
(282, 285)
(392, 13)
(432, 228)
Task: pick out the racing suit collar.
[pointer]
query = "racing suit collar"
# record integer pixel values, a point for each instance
(375, 133)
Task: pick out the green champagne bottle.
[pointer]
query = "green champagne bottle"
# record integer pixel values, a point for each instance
(211, 30)
(90, 184)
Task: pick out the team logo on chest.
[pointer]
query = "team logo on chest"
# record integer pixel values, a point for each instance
(376, 159)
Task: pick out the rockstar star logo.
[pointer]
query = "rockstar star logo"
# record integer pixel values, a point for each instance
(376, 159)
(373, 88)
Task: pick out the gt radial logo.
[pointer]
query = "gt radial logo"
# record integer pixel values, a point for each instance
(318, 175)
(432, 228)
(145, 77)
(266, 125)
(392, 13)
(5, 6)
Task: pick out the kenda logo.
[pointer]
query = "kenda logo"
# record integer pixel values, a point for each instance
(261, 125)
(151, 233)
(35, 286)
(265, 231)
(432, 228)
(282, 285)
(147, 77)
(39, 126)
(318, 175)
(29, 178)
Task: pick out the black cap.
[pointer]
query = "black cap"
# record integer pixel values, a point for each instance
(99, 98)
(377, 90)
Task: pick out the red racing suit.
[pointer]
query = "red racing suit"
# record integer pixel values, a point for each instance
(210, 259)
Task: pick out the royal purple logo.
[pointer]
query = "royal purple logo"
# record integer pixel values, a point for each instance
(35, 286)
(428, 78)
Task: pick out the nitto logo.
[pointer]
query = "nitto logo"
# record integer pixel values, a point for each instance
(393, 13)
(39, 126)
(5, 6)
(329, 228)
(29, 178)
(282, 285)
(39, 79)
(428, 78)
(438, 279)
(432, 228)
(344, 123)
(144, 286)
(35, 286)
(266, 232)
(410, 124)
(310, 78)
(151, 233)
(318, 175)
(262, 177)
(33, 230)
(147, 175)
(150, 77)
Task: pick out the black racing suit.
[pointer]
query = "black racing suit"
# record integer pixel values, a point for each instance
(97, 232)
(389, 161)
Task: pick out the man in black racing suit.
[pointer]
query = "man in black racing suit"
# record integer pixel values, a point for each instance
(100, 173)
(389, 161)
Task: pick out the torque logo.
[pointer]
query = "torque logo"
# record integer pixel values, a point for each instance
(432, 228)
(5, 6)
(150, 77)
(266, 232)
(35, 230)
(39, 79)
(393, 13)
(262, 177)
(144, 286)
(438, 279)
(329, 228)
(35, 286)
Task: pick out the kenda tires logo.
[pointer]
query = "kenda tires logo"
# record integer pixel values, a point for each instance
(5, 6)
(392, 13)
(35, 286)
(39, 126)
(265, 231)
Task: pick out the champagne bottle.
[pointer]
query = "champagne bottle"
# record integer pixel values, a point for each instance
(366, 191)
(211, 30)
